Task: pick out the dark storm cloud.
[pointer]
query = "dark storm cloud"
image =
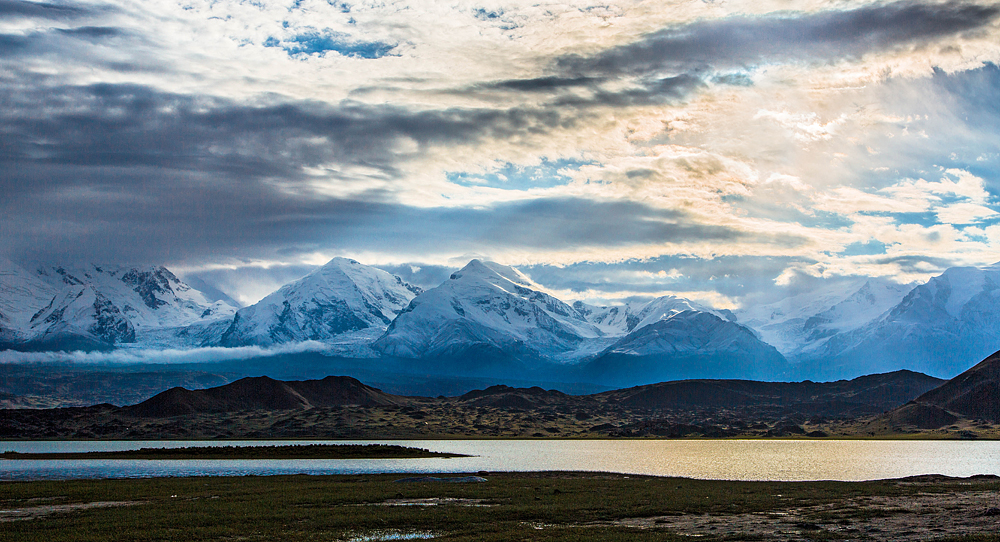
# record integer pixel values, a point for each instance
(151, 214)
(134, 126)
(64, 46)
(739, 41)
(649, 92)
(10, 9)
(696, 54)
(93, 32)
(130, 172)
(578, 222)
(12, 43)
(544, 84)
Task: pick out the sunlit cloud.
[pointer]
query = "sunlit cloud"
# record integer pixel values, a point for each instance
(248, 141)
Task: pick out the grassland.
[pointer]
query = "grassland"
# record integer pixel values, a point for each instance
(513, 506)
(309, 451)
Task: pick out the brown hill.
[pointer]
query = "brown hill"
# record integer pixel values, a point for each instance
(974, 394)
(263, 393)
(870, 394)
(501, 396)
(919, 415)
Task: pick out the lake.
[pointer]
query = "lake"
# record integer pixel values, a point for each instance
(708, 459)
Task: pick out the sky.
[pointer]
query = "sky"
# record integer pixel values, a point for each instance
(727, 151)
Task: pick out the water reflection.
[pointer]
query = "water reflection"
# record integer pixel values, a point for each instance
(718, 459)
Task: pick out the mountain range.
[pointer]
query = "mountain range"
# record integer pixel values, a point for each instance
(97, 307)
(491, 320)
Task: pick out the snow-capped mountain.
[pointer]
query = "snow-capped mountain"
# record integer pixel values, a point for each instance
(340, 297)
(490, 310)
(684, 345)
(624, 319)
(80, 318)
(95, 306)
(804, 322)
(490, 319)
(22, 294)
(150, 297)
(495, 319)
(942, 328)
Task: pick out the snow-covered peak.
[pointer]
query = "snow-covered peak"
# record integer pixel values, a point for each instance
(361, 286)
(81, 312)
(75, 299)
(486, 305)
(665, 307)
(341, 296)
(873, 298)
(149, 296)
(803, 321)
(964, 283)
(947, 295)
(941, 327)
(682, 331)
(624, 319)
(499, 275)
(800, 306)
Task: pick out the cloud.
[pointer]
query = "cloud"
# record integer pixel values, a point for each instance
(10, 9)
(739, 41)
(774, 135)
(127, 356)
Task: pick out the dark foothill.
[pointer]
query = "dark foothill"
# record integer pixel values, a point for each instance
(454, 480)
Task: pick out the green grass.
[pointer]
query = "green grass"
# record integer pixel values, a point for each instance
(525, 506)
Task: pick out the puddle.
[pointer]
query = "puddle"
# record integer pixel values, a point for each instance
(435, 501)
(391, 534)
(35, 512)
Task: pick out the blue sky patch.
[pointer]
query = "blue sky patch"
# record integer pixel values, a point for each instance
(320, 43)
(925, 218)
(514, 177)
(870, 248)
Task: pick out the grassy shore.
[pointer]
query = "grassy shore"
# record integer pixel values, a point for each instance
(511, 506)
(309, 451)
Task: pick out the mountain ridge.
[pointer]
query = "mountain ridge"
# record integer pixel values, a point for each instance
(339, 297)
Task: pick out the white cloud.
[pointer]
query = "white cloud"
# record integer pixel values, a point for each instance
(127, 356)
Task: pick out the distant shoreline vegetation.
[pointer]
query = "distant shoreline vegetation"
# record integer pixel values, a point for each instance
(309, 451)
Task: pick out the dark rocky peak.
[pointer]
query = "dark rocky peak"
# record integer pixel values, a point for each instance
(149, 283)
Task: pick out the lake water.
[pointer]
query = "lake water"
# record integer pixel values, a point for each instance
(709, 459)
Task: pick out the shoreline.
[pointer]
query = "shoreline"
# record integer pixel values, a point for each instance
(287, 452)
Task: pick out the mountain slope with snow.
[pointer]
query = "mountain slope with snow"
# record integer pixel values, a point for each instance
(93, 306)
(150, 297)
(80, 318)
(685, 345)
(340, 297)
(22, 294)
(940, 328)
(804, 322)
(624, 319)
(486, 310)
